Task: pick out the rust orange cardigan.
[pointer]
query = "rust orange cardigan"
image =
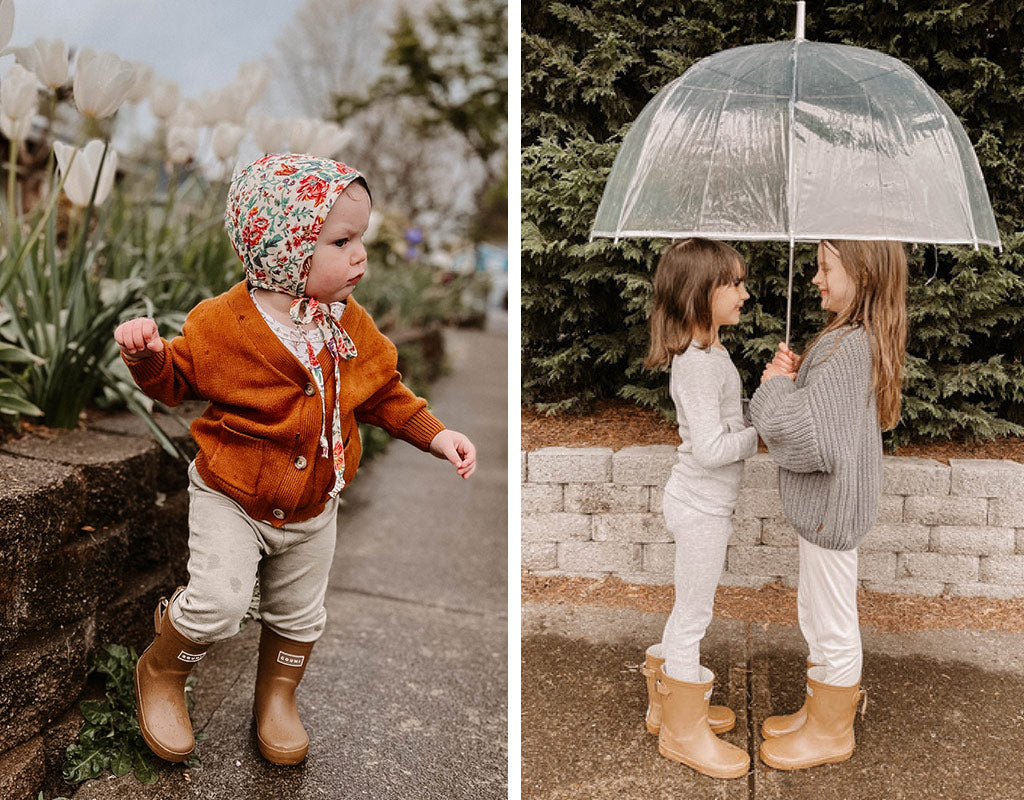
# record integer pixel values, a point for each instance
(259, 437)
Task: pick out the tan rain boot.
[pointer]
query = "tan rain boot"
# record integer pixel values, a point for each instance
(685, 734)
(720, 718)
(160, 686)
(827, 736)
(279, 732)
(782, 724)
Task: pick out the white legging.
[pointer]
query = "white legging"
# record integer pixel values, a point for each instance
(827, 609)
(701, 542)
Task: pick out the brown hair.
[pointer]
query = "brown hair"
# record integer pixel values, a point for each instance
(878, 270)
(687, 273)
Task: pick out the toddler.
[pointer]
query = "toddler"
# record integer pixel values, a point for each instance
(290, 364)
(698, 287)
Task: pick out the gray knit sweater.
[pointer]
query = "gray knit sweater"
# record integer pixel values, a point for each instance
(822, 429)
(714, 440)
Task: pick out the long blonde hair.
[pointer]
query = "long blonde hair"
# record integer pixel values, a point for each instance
(687, 273)
(878, 271)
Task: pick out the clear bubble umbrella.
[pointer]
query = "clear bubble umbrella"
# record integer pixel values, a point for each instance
(798, 141)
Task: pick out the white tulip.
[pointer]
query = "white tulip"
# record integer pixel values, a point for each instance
(81, 175)
(182, 142)
(142, 79)
(185, 117)
(300, 135)
(215, 171)
(252, 80)
(16, 130)
(373, 227)
(230, 104)
(19, 94)
(327, 139)
(226, 138)
(164, 99)
(49, 61)
(207, 107)
(270, 133)
(6, 21)
(102, 81)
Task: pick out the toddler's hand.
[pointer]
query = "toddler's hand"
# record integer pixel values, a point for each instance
(786, 359)
(138, 338)
(457, 448)
(773, 370)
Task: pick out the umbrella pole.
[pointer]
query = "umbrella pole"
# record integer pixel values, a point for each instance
(789, 292)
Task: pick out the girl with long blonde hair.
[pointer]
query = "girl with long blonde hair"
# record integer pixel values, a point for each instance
(822, 417)
(698, 288)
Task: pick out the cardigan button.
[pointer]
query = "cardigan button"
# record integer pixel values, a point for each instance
(278, 513)
(300, 462)
(310, 389)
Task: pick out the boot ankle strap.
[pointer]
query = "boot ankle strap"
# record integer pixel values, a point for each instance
(159, 614)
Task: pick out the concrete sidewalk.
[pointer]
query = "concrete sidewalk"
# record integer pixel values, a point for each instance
(406, 693)
(944, 721)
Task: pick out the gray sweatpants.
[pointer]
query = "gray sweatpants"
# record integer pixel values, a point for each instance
(228, 550)
(701, 543)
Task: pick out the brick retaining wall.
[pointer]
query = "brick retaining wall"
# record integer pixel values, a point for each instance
(956, 529)
(93, 529)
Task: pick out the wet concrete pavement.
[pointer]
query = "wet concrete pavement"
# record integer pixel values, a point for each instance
(405, 695)
(944, 719)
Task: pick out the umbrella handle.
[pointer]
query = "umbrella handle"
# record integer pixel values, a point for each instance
(789, 292)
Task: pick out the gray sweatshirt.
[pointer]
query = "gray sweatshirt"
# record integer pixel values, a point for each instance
(705, 388)
(822, 429)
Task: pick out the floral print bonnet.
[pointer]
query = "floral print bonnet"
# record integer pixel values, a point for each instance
(276, 207)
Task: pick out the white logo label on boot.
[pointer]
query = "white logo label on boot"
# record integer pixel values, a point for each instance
(707, 694)
(191, 658)
(289, 660)
(810, 691)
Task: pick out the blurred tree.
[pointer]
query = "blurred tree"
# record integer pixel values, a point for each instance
(331, 48)
(450, 68)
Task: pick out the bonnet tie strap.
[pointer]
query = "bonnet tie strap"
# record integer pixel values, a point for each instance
(303, 311)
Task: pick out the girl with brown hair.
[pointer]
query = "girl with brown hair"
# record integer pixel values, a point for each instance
(698, 287)
(822, 418)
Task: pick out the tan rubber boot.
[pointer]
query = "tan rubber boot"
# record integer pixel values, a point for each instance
(720, 718)
(782, 724)
(685, 734)
(279, 732)
(160, 686)
(827, 736)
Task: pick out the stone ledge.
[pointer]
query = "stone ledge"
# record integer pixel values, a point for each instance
(90, 536)
(940, 529)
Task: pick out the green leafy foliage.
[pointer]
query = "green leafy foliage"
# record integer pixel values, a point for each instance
(110, 737)
(588, 68)
(68, 282)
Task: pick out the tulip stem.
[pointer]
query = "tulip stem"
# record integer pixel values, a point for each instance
(13, 165)
(172, 191)
(12, 266)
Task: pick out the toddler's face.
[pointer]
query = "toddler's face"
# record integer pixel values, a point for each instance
(339, 257)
